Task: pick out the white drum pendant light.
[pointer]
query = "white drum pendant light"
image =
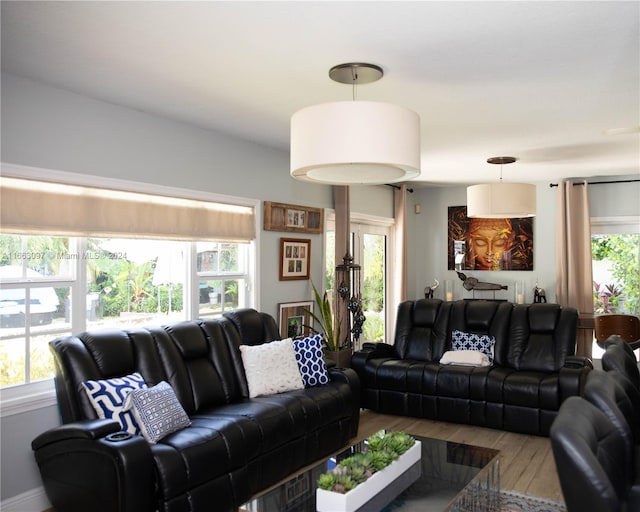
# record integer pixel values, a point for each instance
(501, 200)
(355, 142)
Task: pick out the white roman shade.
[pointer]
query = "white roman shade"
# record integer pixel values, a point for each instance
(38, 207)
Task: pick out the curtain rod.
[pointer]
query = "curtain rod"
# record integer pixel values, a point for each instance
(597, 182)
(410, 190)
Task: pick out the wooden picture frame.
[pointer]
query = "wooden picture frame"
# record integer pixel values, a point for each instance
(293, 218)
(295, 258)
(295, 319)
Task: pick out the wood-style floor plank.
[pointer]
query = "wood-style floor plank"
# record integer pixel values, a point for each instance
(526, 462)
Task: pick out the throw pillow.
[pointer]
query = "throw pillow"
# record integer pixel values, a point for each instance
(470, 341)
(108, 396)
(310, 361)
(465, 358)
(157, 411)
(271, 368)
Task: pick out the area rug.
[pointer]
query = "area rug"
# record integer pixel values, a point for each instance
(514, 502)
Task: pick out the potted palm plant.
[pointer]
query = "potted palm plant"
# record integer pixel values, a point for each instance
(334, 349)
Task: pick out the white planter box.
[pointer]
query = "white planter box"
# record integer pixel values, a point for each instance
(328, 501)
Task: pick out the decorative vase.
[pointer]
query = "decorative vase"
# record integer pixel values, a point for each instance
(379, 489)
(342, 358)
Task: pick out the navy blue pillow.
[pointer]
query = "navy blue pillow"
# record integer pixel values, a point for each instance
(108, 396)
(310, 361)
(470, 341)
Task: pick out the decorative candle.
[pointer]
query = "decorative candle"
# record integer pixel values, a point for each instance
(519, 292)
(448, 290)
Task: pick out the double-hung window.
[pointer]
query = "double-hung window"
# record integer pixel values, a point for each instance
(74, 258)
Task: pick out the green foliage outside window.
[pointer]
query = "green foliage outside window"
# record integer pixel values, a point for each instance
(114, 283)
(623, 254)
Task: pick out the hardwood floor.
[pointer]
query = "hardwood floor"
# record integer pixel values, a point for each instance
(526, 462)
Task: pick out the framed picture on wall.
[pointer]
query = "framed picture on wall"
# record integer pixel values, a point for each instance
(295, 319)
(295, 258)
(488, 244)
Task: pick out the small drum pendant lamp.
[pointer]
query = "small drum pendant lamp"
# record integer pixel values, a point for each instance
(501, 200)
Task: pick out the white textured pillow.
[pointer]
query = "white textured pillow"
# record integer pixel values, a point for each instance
(465, 358)
(271, 368)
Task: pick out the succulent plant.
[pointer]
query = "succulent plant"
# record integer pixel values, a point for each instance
(382, 449)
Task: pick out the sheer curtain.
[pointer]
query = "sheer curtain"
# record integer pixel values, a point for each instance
(400, 252)
(574, 279)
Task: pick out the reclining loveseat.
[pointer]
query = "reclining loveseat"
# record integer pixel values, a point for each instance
(487, 363)
(228, 438)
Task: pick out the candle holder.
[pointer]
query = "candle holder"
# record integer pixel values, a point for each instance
(448, 290)
(519, 297)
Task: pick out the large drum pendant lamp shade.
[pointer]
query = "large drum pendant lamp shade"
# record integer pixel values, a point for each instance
(501, 200)
(355, 142)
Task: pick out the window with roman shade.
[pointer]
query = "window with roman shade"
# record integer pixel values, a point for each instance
(39, 207)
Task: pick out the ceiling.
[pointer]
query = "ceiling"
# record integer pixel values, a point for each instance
(540, 81)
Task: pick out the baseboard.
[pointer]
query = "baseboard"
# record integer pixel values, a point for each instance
(34, 500)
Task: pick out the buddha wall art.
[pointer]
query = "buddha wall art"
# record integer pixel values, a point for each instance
(488, 244)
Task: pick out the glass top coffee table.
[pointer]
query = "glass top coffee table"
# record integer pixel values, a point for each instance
(454, 477)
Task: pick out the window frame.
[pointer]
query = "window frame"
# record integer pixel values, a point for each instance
(620, 225)
(20, 398)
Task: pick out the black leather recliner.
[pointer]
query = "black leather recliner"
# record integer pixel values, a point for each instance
(594, 463)
(618, 356)
(235, 447)
(533, 372)
(604, 391)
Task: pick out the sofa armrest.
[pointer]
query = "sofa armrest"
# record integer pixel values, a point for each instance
(90, 429)
(346, 375)
(578, 362)
(92, 465)
(572, 381)
(379, 349)
(372, 351)
(350, 378)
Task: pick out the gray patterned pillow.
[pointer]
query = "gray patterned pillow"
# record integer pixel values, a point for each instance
(157, 411)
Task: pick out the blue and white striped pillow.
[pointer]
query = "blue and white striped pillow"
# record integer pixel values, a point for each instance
(108, 396)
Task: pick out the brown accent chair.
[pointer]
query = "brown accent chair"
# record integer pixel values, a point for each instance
(625, 326)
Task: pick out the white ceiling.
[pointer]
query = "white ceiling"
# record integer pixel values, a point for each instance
(536, 80)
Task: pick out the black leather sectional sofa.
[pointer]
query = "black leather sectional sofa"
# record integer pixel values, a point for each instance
(234, 447)
(534, 368)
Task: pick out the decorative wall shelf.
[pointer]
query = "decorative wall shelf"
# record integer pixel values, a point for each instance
(293, 218)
